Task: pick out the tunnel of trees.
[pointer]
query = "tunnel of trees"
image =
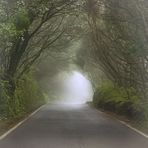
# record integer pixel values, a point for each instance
(38, 39)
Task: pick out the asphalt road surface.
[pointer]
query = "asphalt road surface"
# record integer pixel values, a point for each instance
(72, 126)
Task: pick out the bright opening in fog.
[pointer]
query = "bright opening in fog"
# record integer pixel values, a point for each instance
(74, 88)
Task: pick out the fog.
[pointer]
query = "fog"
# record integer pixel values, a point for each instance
(72, 88)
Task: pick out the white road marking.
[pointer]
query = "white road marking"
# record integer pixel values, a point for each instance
(134, 129)
(20, 123)
(125, 124)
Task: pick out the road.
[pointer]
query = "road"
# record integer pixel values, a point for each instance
(72, 126)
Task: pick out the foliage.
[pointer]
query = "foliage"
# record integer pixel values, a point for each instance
(27, 30)
(3, 100)
(21, 20)
(27, 97)
(117, 99)
(119, 41)
(114, 48)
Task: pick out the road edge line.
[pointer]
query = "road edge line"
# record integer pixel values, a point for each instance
(134, 129)
(125, 124)
(20, 123)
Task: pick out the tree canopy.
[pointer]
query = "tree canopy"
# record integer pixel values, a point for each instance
(113, 36)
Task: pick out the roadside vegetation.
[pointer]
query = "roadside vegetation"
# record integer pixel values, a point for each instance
(27, 97)
(30, 32)
(113, 36)
(121, 101)
(115, 55)
(123, 104)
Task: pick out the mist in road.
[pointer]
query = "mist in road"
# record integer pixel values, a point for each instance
(72, 88)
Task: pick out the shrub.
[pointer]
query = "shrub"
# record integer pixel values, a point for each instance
(3, 100)
(27, 97)
(118, 99)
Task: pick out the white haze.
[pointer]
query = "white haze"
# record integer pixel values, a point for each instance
(73, 88)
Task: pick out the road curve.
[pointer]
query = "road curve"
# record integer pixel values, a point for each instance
(72, 126)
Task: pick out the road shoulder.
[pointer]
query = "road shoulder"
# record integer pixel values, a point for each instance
(8, 126)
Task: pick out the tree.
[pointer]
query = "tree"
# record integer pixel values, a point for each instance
(119, 36)
(31, 27)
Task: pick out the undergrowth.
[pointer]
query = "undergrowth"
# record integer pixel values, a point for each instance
(27, 97)
(123, 101)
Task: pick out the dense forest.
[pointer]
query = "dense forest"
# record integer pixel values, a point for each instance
(113, 51)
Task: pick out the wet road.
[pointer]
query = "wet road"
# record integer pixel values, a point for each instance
(71, 126)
